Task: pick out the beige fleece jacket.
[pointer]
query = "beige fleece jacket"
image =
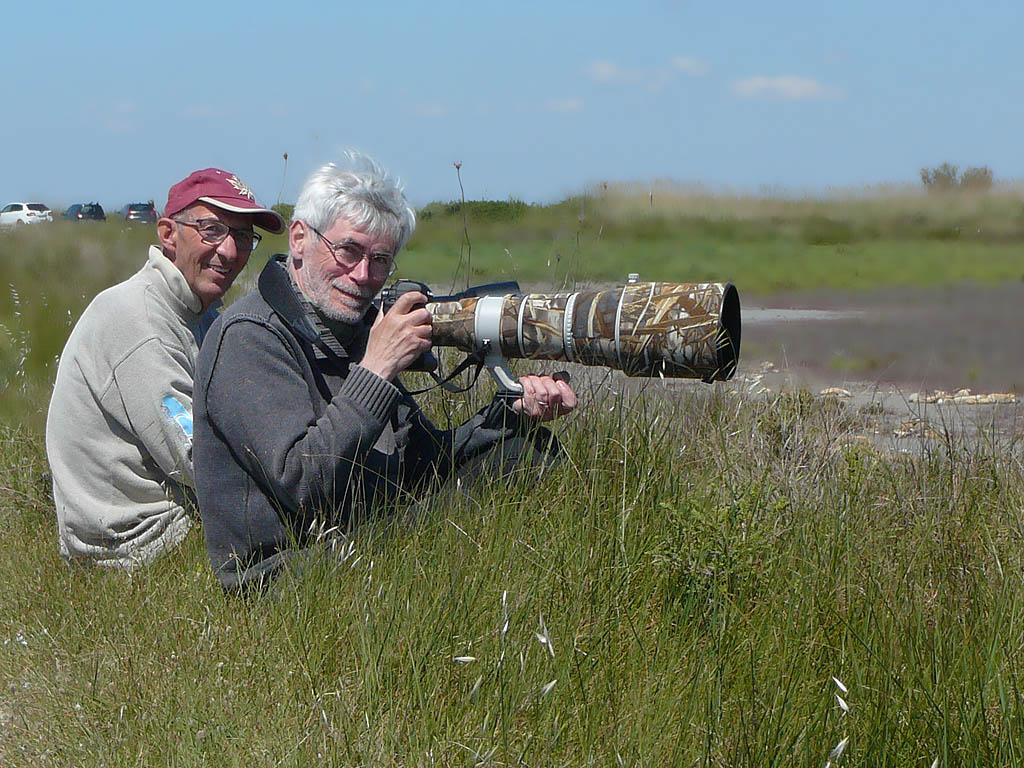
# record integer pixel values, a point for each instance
(119, 427)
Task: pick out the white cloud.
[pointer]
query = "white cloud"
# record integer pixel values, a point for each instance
(608, 71)
(688, 65)
(566, 106)
(787, 87)
(605, 71)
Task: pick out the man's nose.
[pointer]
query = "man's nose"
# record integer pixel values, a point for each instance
(360, 273)
(227, 247)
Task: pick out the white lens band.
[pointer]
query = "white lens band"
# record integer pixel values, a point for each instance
(568, 343)
(487, 321)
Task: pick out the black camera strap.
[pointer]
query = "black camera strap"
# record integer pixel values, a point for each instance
(476, 358)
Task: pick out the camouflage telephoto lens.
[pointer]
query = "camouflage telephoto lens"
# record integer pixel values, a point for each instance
(678, 330)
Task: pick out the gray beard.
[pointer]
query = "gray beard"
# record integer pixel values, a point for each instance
(338, 315)
(320, 299)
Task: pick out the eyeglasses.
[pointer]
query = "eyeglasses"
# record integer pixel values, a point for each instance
(349, 253)
(215, 232)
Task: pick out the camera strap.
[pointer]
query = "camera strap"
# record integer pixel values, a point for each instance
(476, 358)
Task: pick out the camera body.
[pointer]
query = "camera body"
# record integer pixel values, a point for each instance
(389, 295)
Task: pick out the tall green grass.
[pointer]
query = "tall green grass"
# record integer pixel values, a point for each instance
(681, 590)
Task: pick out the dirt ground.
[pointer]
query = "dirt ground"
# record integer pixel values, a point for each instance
(892, 348)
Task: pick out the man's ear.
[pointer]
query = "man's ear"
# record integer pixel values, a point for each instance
(297, 240)
(165, 231)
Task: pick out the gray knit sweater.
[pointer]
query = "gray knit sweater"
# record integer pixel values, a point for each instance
(293, 438)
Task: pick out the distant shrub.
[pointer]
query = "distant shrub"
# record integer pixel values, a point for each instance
(944, 233)
(284, 210)
(947, 178)
(479, 210)
(977, 179)
(647, 229)
(821, 230)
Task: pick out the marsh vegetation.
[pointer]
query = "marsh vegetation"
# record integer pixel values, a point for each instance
(713, 575)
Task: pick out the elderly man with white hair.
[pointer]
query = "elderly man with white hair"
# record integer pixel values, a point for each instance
(301, 420)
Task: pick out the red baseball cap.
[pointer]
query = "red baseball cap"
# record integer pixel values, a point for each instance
(223, 190)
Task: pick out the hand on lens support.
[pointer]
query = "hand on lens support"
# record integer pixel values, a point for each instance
(545, 397)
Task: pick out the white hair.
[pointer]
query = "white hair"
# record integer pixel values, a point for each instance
(360, 191)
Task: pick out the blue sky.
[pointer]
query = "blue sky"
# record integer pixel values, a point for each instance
(116, 102)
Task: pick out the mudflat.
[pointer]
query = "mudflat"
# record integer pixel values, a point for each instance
(949, 338)
(920, 365)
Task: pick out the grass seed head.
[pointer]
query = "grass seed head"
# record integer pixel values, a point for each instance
(544, 637)
(837, 752)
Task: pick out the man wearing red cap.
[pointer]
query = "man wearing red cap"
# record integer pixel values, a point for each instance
(119, 428)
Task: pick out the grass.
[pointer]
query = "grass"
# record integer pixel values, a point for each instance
(699, 568)
(681, 590)
(764, 245)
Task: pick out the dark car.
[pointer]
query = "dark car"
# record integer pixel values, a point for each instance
(85, 212)
(143, 213)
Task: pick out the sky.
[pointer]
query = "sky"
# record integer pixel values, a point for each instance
(115, 102)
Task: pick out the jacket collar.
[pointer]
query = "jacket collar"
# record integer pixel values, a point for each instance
(176, 282)
(337, 343)
(276, 289)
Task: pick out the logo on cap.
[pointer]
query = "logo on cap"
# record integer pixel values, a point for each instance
(240, 185)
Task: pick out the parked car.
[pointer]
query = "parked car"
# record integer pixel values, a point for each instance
(15, 214)
(85, 212)
(144, 213)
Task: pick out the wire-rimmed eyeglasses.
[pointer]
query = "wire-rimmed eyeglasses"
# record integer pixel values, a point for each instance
(215, 232)
(349, 253)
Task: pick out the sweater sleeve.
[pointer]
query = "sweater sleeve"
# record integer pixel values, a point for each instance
(154, 385)
(434, 453)
(269, 422)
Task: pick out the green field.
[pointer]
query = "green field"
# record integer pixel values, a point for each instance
(681, 590)
(763, 245)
